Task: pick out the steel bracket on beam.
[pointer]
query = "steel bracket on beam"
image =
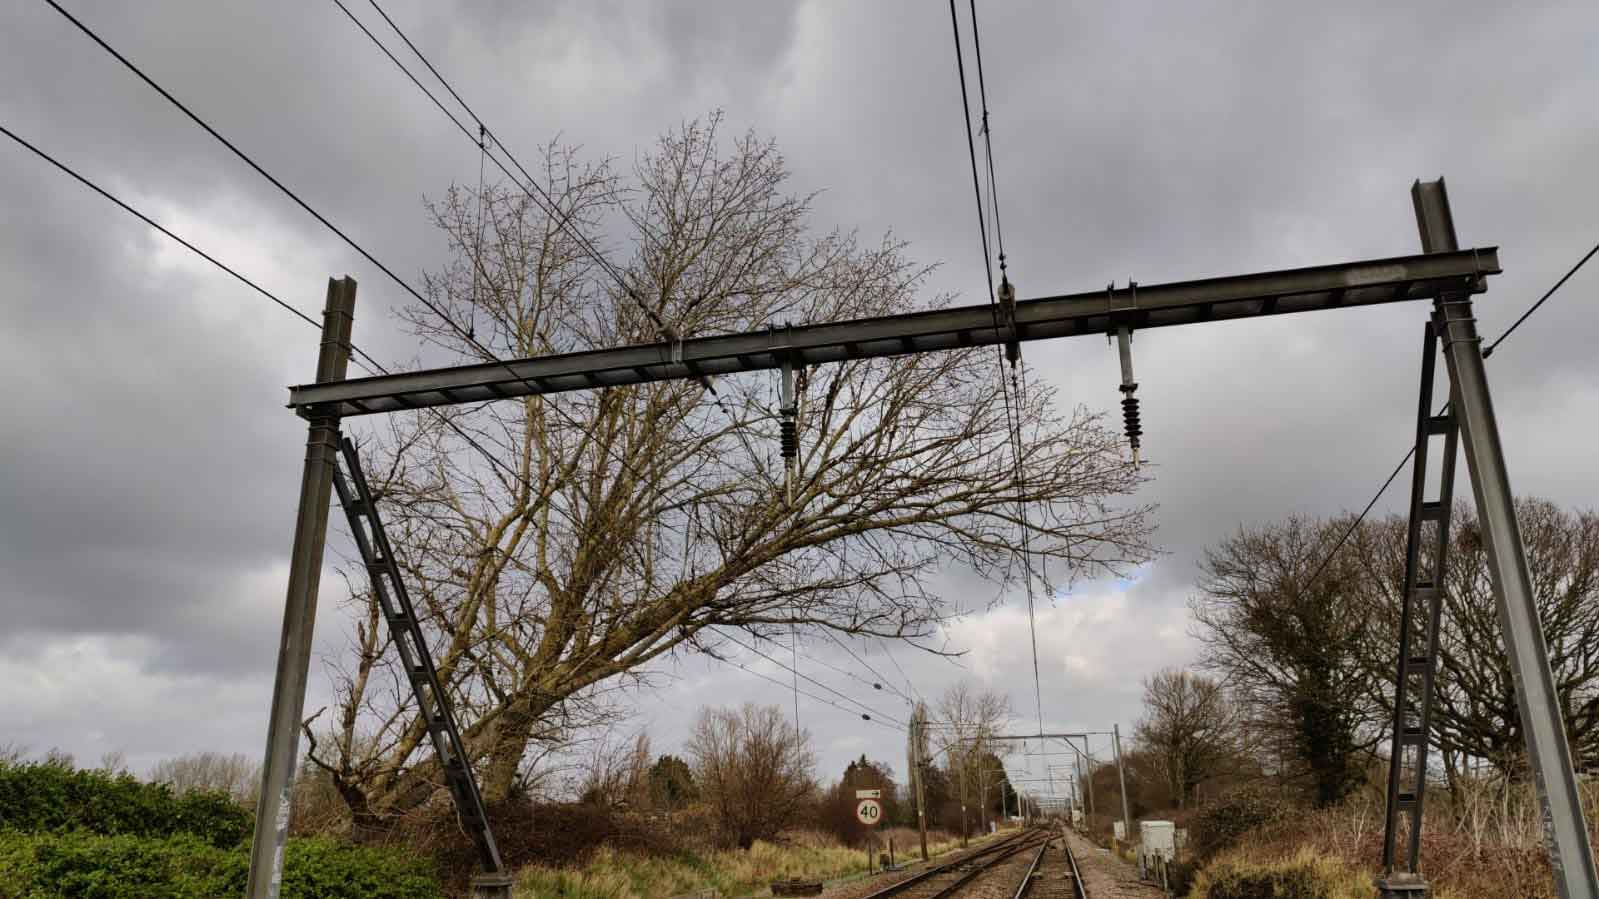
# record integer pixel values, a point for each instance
(1123, 316)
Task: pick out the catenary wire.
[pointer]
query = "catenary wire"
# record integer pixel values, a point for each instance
(532, 188)
(541, 198)
(157, 225)
(358, 351)
(844, 696)
(806, 693)
(845, 672)
(1017, 385)
(248, 160)
(988, 144)
(527, 183)
(1534, 307)
(1012, 419)
(167, 95)
(1349, 531)
(881, 682)
(909, 684)
(365, 361)
(401, 282)
(794, 649)
(875, 713)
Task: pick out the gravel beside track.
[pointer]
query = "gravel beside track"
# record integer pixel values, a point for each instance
(1106, 876)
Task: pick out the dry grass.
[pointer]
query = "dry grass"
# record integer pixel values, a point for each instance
(1242, 874)
(1482, 842)
(611, 874)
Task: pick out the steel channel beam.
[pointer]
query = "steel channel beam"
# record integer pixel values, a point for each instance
(299, 608)
(1363, 283)
(1538, 701)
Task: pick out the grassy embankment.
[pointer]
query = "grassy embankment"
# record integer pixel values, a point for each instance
(1484, 843)
(612, 874)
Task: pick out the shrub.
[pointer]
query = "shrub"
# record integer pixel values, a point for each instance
(1219, 826)
(129, 867)
(317, 868)
(552, 834)
(49, 798)
(91, 866)
(1180, 877)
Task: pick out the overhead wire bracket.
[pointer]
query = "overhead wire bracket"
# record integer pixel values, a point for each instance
(1119, 322)
(788, 410)
(1007, 312)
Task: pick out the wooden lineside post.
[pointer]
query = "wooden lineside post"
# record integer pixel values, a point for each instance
(918, 729)
(299, 607)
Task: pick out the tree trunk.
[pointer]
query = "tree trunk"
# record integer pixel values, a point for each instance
(511, 735)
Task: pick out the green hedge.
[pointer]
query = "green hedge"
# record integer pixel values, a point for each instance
(48, 798)
(93, 866)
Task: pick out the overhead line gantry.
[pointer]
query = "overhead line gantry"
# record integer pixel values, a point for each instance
(1319, 288)
(1444, 273)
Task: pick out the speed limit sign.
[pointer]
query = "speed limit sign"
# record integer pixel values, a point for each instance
(869, 811)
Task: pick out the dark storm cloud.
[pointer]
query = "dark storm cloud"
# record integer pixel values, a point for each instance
(147, 468)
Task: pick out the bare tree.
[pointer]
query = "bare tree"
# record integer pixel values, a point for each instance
(623, 524)
(753, 768)
(56, 757)
(114, 761)
(1474, 713)
(966, 720)
(617, 773)
(235, 774)
(1189, 727)
(1294, 647)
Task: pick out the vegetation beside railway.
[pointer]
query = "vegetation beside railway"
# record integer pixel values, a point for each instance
(624, 874)
(99, 834)
(1486, 844)
(1481, 841)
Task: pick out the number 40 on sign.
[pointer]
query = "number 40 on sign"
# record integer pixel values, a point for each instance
(869, 811)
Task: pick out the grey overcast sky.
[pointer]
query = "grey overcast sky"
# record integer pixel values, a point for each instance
(148, 468)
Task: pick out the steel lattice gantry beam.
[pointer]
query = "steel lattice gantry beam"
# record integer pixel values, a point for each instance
(1364, 283)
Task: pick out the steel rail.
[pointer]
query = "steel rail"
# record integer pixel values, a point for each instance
(953, 888)
(1026, 886)
(1078, 888)
(992, 855)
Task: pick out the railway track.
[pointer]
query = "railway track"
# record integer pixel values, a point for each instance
(1053, 874)
(948, 880)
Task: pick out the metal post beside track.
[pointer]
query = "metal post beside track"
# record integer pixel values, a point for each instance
(1537, 700)
(299, 607)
